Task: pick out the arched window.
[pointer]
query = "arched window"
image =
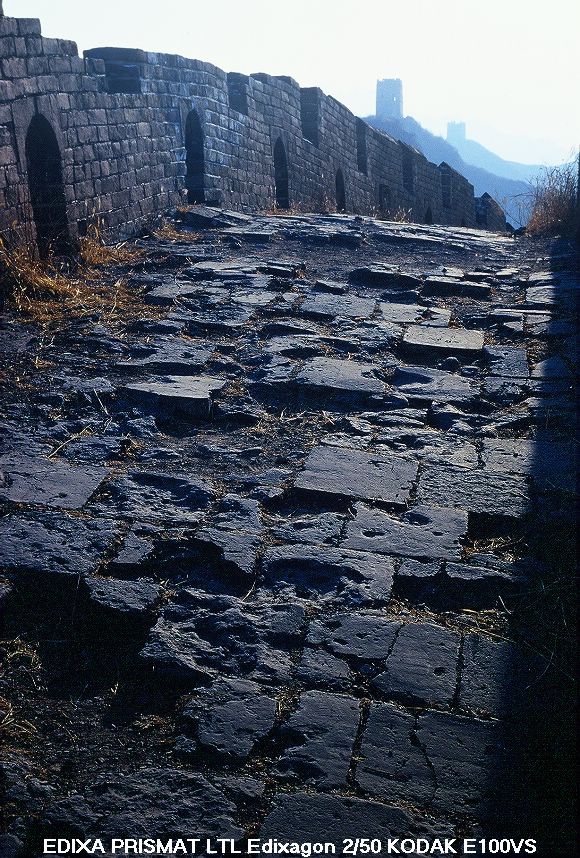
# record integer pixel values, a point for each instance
(340, 192)
(281, 175)
(408, 172)
(46, 187)
(194, 159)
(428, 216)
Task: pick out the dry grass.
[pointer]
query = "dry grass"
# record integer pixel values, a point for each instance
(55, 291)
(168, 232)
(554, 201)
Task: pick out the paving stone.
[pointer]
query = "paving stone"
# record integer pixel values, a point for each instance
(421, 532)
(53, 544)
(420, 339)
(146, 800)
(421, 384)
(463, 752)
(191, 396)
(479, 491)
(392, 766)
(422, 665)
(240, 549)
(508, 361)
(494, 674)
(319, 572)
(547, 460)
(401, 313)
(192, 642)
(339, 471)
(319, 739)
(123, 598)
(49, 482)
(475, 586)
(368, 636)
(319, 668)
(231, 717)
(437, 285)
(321, 529)
(341, 376)
(375, 276)
(342, 306)
(553, 367)
(135, 551)
(307, 818)
(171, 357)
(156, 496)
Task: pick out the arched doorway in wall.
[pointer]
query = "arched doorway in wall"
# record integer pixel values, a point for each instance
(194, 159)
(428, 216)
(281, 175)
(340, 192)
(45, 183)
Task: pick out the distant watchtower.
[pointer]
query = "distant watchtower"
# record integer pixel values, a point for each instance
(390, 98)
(456, 133)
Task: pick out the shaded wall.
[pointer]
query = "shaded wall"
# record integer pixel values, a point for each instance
(119, 117)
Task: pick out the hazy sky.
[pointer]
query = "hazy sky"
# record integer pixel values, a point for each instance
(509, 68)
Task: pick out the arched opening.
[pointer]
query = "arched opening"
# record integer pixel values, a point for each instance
(428, 216)
(340, 192)
(384, 199)
(194, 160)
(281, 175)
(46, 187)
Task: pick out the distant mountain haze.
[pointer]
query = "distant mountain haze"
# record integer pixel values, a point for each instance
(506, 181)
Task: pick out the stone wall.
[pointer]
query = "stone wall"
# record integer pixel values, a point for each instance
(122, 134)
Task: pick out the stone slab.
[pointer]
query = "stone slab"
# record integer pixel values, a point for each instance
(454, 341)
(49, 482)
(188, 395)
(351, 473)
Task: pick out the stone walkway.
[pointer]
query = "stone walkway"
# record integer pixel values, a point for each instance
(268, 543)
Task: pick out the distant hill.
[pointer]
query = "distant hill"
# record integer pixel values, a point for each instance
(506, 181)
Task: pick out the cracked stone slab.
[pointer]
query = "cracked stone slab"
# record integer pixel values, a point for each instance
(319, 668)
(50, 482)
(479, 491)
(188, 395)
(224, 634)
(146, 800)
(319, 571)
(437, 285)
(53, 544)
(494, 674)
(351, 473)
(423, 532)
(319, 739)
(152, 495)
(123, 598)
(422, 384)
(367, 636)
(340, 376)
(341, 306)
(463, 752)
(391, 765)
(422, 666)
(311, 818)
(231, 717)
(549, 462)
(507, 361)
(420, 339)
(171, 357)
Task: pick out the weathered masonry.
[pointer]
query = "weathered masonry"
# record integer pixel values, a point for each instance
(122, 134)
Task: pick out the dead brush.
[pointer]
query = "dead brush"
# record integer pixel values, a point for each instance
(554, 200)
(52, 293)
(168, 232)
(94, 251)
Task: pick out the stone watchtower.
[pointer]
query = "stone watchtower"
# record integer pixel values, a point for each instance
(390, 98)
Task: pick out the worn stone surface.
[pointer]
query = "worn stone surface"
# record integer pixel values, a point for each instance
(319, 738)
(422, 532)
(47, 482)
(191, 396)
(289, 610)
(231, 717)
(339, 471)
(422, 666)
(420, 339)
